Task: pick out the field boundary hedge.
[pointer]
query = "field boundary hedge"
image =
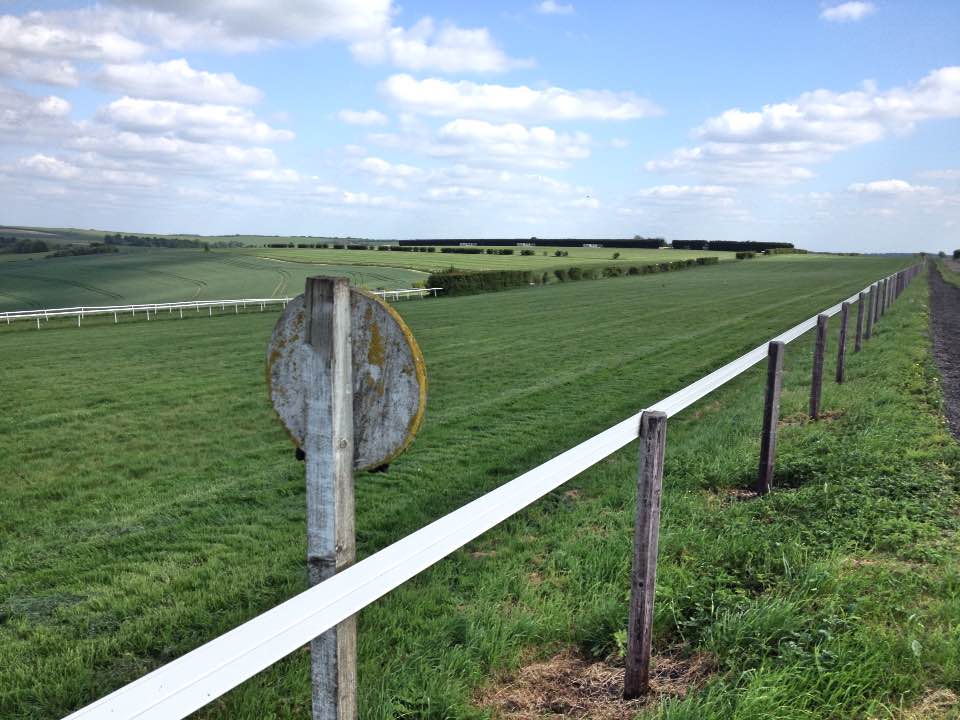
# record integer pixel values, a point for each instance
(468, 282)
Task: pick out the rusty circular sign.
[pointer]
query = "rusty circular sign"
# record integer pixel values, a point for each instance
(389, 378)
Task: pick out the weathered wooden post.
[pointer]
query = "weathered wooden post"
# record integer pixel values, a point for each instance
(842, 350)
(771, 417)
(348, 382)
(819, 349)
(869, 310)
(646, 540)
(858, 343)
(331, 537)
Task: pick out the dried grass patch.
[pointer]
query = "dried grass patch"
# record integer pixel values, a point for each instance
(935, 705)
(567, 685)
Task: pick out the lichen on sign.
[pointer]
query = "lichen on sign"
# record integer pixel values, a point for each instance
(389, 378)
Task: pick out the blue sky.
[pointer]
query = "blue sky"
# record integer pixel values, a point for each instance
(833, 125)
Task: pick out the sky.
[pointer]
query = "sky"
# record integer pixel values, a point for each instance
(834, 126)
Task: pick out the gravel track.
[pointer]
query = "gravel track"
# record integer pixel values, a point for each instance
(945, 327)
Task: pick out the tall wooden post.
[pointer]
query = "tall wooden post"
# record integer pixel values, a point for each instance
(842, 350)
(819, 349)
(858, 343)
(869, 310)
(331, 543)
(771, 417)
(653, 440)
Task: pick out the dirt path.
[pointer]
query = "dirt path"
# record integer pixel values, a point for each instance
(945, 326)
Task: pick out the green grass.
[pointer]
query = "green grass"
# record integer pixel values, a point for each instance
(160, 275)
(431, 262)
(153, 502)
(950, 270)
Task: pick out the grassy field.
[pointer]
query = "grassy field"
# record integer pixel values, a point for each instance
(156, 275)
(153, 502)
(951, 271)
(543, 259)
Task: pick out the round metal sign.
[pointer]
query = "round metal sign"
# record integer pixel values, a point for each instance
(389, 378)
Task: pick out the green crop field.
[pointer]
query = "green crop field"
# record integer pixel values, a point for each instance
(542, 259)
(139, 275)
(152, 502)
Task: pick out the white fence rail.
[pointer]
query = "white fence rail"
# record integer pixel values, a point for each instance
(147, 309)
(202, 675)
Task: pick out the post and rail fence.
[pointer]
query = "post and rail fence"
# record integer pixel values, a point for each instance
(188, 683)
(147, 309)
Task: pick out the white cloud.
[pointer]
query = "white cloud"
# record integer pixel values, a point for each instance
(511, 143)
(362, 117)
(619, 143)
(42, 70)
(890, 187)
(551, 7)
(779, 142)
(437, 97)
(378, 201)
(673, 192)
(449, 49)
(45, 166)
(484, 143)
(848, 11)
(395, 175)
(192, 122)
(176, 80)
(86, 171)
(34, 35)
(174, 154)
(23, 115)
(241, 24)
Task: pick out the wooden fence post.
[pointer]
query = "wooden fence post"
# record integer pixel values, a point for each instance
(819, 349)
(771, 416)
(869, 311)
(858, 343)
(842, 350)
(331, 539)
(653, 440)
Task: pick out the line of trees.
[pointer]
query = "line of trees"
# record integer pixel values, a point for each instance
(166, 242)
(91, 249)
(11, 245)
(636, 242)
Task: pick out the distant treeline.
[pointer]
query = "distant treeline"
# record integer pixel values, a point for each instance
(637, 242)
(167, 242)
(9, 245)
(729, 245)
(473, 247)
(325, 246)
(91, 249)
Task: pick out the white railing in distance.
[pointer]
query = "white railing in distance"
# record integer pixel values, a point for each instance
(84, 311)
(185, 685)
